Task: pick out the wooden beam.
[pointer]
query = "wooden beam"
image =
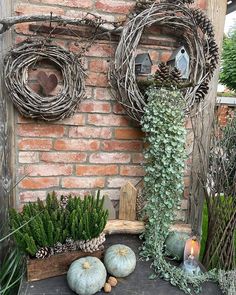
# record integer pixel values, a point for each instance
(6, 137)
(118, 226)
(216, 11)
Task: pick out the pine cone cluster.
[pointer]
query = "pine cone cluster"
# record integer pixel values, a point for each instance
(70, 244)
(92, 245)
(59, 248)
(44, 253)
(213, 53)
(202, 91)
(64, 201)
(167, 77)
(203, 22)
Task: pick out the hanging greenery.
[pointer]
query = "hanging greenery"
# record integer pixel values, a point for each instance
(163, 122)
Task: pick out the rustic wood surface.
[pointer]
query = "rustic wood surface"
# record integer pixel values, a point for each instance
(137, 227)
(38, 269)
(6, 137)
(202, 122)
(128, 196)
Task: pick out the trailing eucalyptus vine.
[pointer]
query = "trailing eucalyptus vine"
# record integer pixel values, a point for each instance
(163, 122)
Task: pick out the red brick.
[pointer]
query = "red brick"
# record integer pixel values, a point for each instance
(83, 182)
(155, 56)
(108, 120)
(76, 119)
(165, 56)
(28, 8)
(114, 6)
(95, 107)
(57, 157)
(101, 50)
(40, 130)
(34, 144)
(76, 145)
(97, 79)
(202, 4)
(98, 65)
(28, 157)
(138, 158)
(70, 3)
(128, 133)
(118, 109)
(48, 169)
(90, 132)
(89, 170)
(39, 182)
(118, 182)
(132, 171)
(103, 94)
(32, 196)
(111, 145)
(109, 158)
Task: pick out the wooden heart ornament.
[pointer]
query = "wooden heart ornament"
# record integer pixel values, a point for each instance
(48, 83)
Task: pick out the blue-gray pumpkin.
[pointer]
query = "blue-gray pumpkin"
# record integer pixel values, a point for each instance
(175, 244)
(86, 276)
(120, 260)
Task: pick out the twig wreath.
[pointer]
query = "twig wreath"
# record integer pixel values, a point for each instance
(29, 103)
(196, 33)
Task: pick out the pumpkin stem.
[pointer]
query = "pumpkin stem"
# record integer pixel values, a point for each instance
(122, 252)
(86, 265)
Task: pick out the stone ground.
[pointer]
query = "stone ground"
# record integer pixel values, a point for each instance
(136, 284)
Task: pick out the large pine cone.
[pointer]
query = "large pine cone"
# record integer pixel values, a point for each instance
(203, 22)
(43, 253)
(202, 91)
(92, 245)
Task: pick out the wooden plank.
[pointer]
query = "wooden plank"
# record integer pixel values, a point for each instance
(137, 227)
(216, 11)
(127, 208)
(6, 137)
(109, 206)
(39, 269)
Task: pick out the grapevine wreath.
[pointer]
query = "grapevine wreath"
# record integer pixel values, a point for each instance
(195, 31)
(29, 103)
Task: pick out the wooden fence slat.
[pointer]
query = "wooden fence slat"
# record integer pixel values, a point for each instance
(128, 195)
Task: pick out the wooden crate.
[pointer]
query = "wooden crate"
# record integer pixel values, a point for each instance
(38, 269)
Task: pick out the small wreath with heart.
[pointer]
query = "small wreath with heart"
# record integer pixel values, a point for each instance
(52, 93)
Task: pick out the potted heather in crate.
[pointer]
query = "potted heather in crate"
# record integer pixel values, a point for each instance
(54, 233)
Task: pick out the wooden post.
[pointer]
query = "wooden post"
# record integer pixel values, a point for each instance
(128, 195)
(216, 11)
(6, 139)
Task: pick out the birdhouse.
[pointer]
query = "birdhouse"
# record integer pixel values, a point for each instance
(143, 64)
(180, 60)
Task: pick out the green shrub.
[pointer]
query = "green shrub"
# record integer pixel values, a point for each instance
(44, 224)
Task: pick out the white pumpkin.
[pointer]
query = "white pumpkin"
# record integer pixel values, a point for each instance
(86, 276)
(120, 260)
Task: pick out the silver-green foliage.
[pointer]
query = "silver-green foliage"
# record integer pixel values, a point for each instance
(227, 281)
(163, 122)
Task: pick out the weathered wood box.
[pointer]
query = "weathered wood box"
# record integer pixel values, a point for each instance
(38, 269)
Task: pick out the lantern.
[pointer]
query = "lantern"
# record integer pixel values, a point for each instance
(180, 59)
(191, 254)
(143, 64)
(192, 247)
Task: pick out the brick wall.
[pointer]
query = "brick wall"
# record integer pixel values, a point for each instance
(99, 147)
